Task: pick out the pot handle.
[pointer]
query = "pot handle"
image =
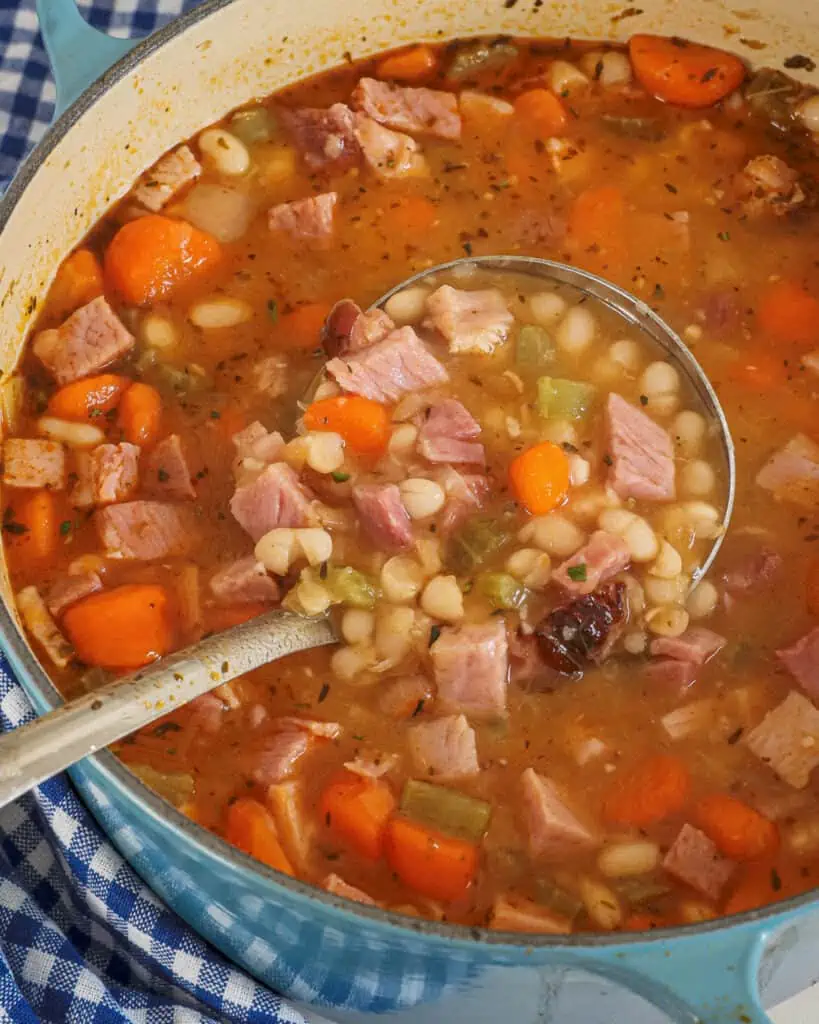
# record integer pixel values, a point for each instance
(78, 53)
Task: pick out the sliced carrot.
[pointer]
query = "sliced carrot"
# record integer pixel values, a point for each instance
(357, 810)
(739, 831)
(789, 314)
(432, 864)
(654, 789)
(31, 527)
(412, 65)
(78, 281)
(218, 619)
(539, 478)
(150, 256)
(758, 885)
(250, 827)
(410, 215)
(140, 414)
(87, 399)
(126, 627)
(686, 74)
(597, 221)
(541, 112)
(302, 327)
(363, 423)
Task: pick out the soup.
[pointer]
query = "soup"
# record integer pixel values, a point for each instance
(542, 718)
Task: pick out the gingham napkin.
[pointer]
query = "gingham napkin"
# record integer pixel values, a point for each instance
(82, 939)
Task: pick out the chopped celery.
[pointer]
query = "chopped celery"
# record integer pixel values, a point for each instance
(254, 125)
(446, 809)
(192, 378)
(563, 399)
(501, 590)
(477, 540)
(641, 889)
(556, 898)
(351, 587)
(535, 348)
(472, 58)
(176, 787)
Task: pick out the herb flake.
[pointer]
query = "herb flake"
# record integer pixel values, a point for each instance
(577, 573)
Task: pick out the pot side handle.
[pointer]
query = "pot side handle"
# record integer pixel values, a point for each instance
(78, 53)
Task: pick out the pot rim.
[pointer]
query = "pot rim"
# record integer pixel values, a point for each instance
(112, 769)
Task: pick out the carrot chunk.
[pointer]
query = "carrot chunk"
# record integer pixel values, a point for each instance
(302, 328)
(87, 399)
(126, 627)
(597, 220)
(409, 215)
(541, 111)
(540, 478)
(363, 423)
(150, 256)
(357, 811)
(218, 618)
(683, 73)
(78, 281)
(739, 831)
(31, 527)
(250, 827)
(140, 414)
(655, 789)
(759, 371)
(412, 65)
(788, 313)
(437, 866)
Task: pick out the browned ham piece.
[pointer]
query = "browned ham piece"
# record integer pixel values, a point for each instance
(695, 860)
(114, 472)
(308, 220)
(697, 644)
(447, 434)
(426, 111)
(167, 177)
(787, 740)
(641, 453)
(390, 154)
(603, 556)
(165, 471)
(555, 831)
(348, 329)
(444, 748)
(33, 462)
(67, 590)
(145, 530)
(792, 473)
(89, 340)
(471, 665)
(324, 136)
(338, 887)
(399, 364)
(274, 498)
(384, 520)
(243, 581)
(471, 321)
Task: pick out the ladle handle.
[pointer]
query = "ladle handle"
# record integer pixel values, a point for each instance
(37, 751)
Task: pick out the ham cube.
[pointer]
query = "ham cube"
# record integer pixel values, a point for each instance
(476, 321)
(396, 366)
(338, 887)
(802, 661)
(114, 472)
(465, 495)
(270, 375)
(69, 589)
(426, 111)
(697, 645)
(390, 154)
(787, 740)
(207, 714)
(447, 434)
(274, 498)
(145, 530)
(792, 473)
(384, 520)
(555, 831)
(641, 453)
(603, 556)
(696, 861)
(471, 666)
(166, 472)
(89, 340)
(256, 442)
(347, 329)
(753, 572)
(444, 748)
(324, 136)
(277, 758)
(33, 463)
(243, 582)
(167, 177)
(670, 674)
(305, 220)
(39, 623)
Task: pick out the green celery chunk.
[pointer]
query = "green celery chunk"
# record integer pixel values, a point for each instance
(535, 348)
(351, 587)
(553, 896)
(471, 58)
(563, 399)
(446, 809)
(254, 125)
(501, 590)
(477, 540)
(176, 787)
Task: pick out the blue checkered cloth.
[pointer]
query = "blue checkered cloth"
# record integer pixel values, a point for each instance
(82, 939)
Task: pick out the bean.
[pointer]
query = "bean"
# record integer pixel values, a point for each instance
(623, 860)
(639, 538)
(357, 626)
(530, 566)
(668, 563)
(554, 533)
(559, 432)
(228, 154)
(75, 435)
(564, 77)
(695, 911)
(442, 599)
(401, 579)
(626, 354)
(659, 378)
(808, 113)
(393, 633)
(616, 69)
(422, 498)
(316, 544)
(576, 331)
(407, 306)
(215, 314)
(313, 597)
(688, 431)
(702, 519)
(428, 550)
(697, 478)
(802, 838)
(158, 331)
(602, 905)
(325, 451)
(702, 600)
(635, 642)
(546, 308)
(665, 591)
(402, 439)
(350, 664)
(670, 620)
(88, 563)
(579, 470)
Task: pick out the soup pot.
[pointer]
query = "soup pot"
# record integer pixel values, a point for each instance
(353, 961)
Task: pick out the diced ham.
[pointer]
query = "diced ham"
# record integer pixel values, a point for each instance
(312, 726)
(308, 220)
(475, 321)
(33, 462)
(696, 861)
(67, 590)
(555, 831)
(526, 663)
(114, 472)
(256, 442)
(372, 767)
(767, 183)
(167, 177)
(527, 916)
(641, 452)
(603, 556)
(166, 472)
(270, 375)
(399, 364)
(802, 661)
(278, 756)
(338, 887)
(787, 740)
(465, 495)
(447, 434)
(670, 674)
(347, 329)
(384, 520)
(427, 111)
(792, 473)
(755, 571)
(471, 666)
(243, 581)
(697, 645)
(42, 627)
(324, 137)
(390, 154)
(206, 714)
(275, 498)
(405, 697)
(698, 716)
(145, 530)
(91, 338)
(444, 748)
(721, 311)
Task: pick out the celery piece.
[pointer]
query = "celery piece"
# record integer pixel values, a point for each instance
(563, 399)
(351, 587)
(477, 540)
(254, 125)
(553, 896)
(501, 590)
(446, 809)
(176, 787)
(472, 58)
(535, 348)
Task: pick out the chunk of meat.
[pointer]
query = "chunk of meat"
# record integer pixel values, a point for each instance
(338, 887)
(787, 740)
(802, 661)
(270, 375)
(554, 830)
(721, 311)
(384, 520)
(372, 767)
(167, 177)
(641, 452)
(582, 632)
(792, 473)
(768, 184)
(603, 556)
(33, 462)
(405, 697)
(307, 220)
(275, 498)
(67, 590)
(242, 582)
(312, 726)
(91, 338)
(447, 434)
(426, 111)
(465, 495)
(526, 663)
(145, 530)
(38, 621)
(114, 472)
(527, 916)
(206, 714)
(670, 674)
(476, 321)
(696, 861)
(444, 748)
(166, 472)
(347, 329)
(471, 666)
(390, 154)
(325, 136)
(276, 759)
(753, 572)
(399, 364)
(697, 645)
(256, 442)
